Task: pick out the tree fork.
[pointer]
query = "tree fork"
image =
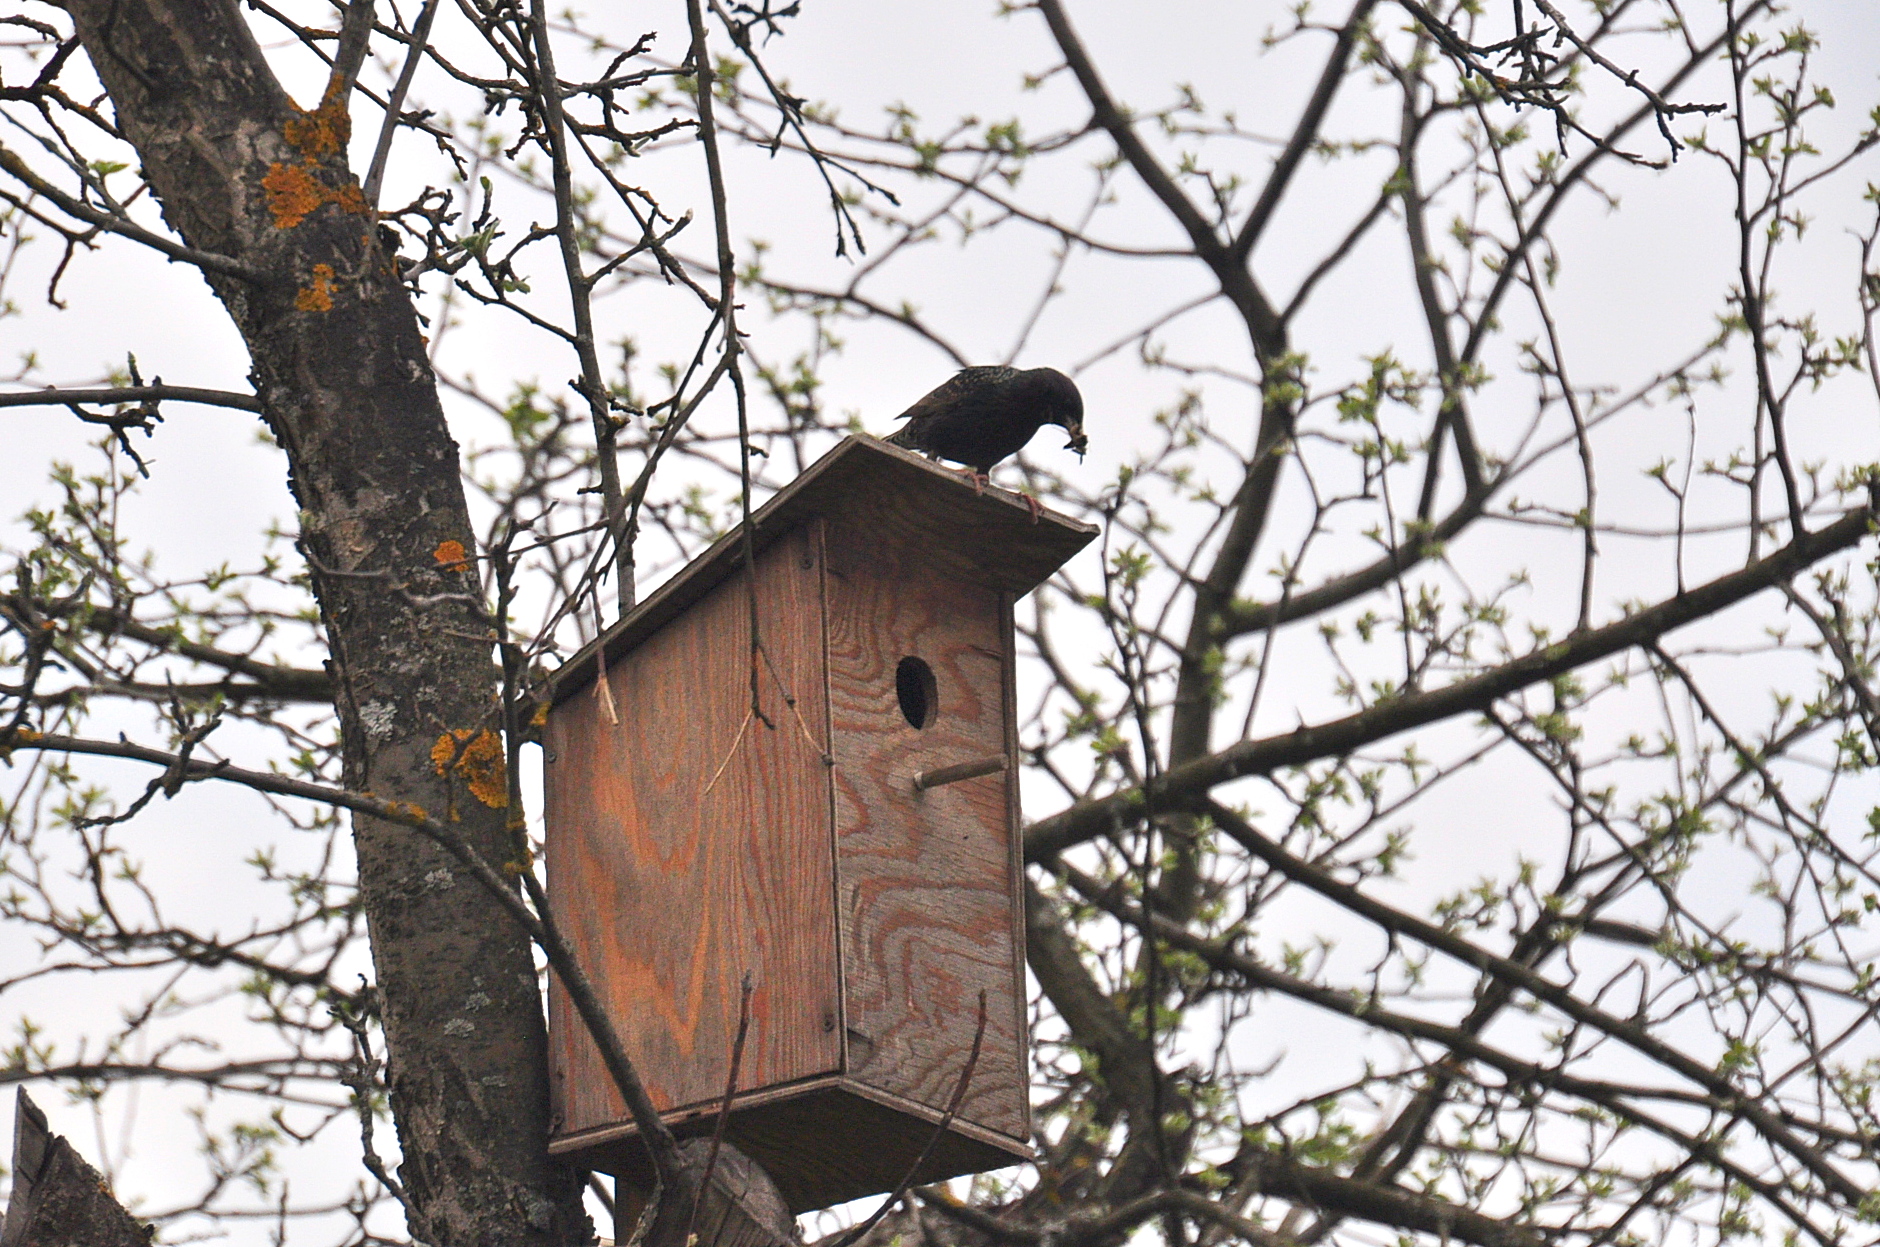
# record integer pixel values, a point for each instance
(344, 384)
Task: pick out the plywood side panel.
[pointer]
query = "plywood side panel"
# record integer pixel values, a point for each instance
(926, 880)
(671, 883)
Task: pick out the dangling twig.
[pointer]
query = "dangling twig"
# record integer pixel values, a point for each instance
(420, 36)
(727, 307)
(729, 753)
(724, 1110)
(602, 692)
(939, 1131)
(789, 699)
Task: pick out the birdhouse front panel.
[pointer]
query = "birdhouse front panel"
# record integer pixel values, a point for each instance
(919, 666)
(690, 844)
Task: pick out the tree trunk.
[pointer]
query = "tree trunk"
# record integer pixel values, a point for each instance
(346, 388)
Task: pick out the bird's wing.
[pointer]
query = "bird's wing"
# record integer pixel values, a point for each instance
(965, 381)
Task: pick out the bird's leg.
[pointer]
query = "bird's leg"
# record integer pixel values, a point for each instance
(1035, 507)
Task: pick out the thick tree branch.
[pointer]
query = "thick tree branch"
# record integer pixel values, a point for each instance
(270, 679)
(53, 397)
(1235, 280)
(342, 371)
(78, 209)
(1305, 135)
(1729, 1097)
(1181, 785)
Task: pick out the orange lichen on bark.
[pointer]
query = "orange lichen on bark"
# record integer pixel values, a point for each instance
(292, 194)
(476, 756)
(323, 131)
(319, 296)
(21, 736)
(296, 190)
(451, 555)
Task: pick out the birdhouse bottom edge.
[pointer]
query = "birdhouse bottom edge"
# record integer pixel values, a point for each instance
(822, 1141)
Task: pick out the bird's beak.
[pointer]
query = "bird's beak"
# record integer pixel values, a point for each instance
(1078, 441)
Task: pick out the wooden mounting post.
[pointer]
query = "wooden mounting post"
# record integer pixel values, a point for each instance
(739, 1208)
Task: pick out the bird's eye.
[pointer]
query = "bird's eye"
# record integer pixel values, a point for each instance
(918, 692)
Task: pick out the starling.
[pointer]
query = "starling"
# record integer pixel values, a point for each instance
(984, 415)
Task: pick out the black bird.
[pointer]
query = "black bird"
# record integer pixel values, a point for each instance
(984, 415)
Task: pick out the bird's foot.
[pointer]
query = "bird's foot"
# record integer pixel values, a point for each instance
(1035, 507)
(978, 480)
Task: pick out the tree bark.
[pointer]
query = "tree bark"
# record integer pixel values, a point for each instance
(58, 1200)
(341, 372)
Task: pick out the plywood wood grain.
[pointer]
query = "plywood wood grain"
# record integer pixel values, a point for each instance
(925, 879)
(673, 884)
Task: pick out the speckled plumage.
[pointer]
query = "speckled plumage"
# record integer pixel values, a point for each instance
(984, 415)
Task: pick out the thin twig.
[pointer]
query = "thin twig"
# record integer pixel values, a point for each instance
(539, 924)
(724, 1111)
(568, 228)
(729, 754)
(939, 1132)
(727, 311)
(207, 261)
(54, 397)
(420, 35)
(790, 699)
(603, 692)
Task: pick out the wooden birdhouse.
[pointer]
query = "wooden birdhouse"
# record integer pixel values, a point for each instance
(855, 849)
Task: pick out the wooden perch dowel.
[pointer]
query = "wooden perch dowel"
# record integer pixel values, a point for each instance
(924, 780)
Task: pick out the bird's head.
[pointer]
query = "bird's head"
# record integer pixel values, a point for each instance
(1063, 406)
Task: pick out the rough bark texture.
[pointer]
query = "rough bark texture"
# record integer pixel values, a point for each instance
(725, 1201)
(345, 387)
(58, 1200)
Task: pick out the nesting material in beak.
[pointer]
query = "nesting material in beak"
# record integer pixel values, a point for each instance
(1078, 441)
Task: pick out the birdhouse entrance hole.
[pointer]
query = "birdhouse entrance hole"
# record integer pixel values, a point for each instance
(914, 684)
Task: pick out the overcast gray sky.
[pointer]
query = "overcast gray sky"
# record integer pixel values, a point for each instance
(1640, 283)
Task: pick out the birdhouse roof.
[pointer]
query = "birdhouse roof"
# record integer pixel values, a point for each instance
(988, 537)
